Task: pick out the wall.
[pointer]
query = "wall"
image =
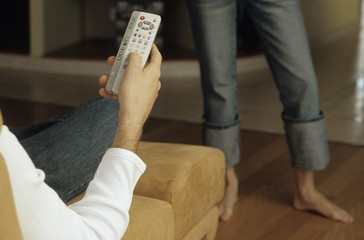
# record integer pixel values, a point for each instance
(54, 24)
(97, 17)
(328, 19)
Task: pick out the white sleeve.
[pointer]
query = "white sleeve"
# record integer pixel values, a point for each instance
(101, 214)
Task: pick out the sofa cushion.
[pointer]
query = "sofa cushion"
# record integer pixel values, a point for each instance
(9, 224)
(191, 178)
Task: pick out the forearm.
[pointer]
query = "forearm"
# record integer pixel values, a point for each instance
(106, 203)
(128, 132)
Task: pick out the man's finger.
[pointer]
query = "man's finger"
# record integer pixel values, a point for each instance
(103, 80)
(134, 60)
(110, 60)
(155, 57)
(105, 94)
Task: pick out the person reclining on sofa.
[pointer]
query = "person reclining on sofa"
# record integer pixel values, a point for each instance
(38, 192)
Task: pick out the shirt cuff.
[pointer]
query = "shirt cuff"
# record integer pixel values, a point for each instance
(124, 154)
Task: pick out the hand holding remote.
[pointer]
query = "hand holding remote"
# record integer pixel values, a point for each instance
(137, 94)
(139, 37)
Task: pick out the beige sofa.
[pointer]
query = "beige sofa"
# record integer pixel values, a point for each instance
(176, 198)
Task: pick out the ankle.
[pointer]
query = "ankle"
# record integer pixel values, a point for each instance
(231, 175)
(304, 183)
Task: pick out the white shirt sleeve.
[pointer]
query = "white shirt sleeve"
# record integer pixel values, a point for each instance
(101, 214)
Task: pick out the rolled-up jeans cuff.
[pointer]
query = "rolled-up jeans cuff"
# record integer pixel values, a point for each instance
(307, 142)
(226, 139)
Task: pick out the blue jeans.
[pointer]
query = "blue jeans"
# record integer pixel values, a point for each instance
(69, 148)
(280, 26)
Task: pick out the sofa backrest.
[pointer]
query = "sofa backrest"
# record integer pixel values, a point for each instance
(9, 224)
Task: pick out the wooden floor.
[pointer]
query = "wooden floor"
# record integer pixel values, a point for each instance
(264, 209)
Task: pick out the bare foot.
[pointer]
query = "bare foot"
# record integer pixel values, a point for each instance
(317, 202)
(226, 205)
(307, 198)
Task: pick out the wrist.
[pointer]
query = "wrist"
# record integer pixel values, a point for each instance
(128, 133)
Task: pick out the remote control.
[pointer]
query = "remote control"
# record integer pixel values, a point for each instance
(139, 37)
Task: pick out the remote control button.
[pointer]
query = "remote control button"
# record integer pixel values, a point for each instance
(140, 24)
(140, 41)
(147, 22)
(134, 40)
(145, 28)
(142, 18)
(151, 27)
(146, 43)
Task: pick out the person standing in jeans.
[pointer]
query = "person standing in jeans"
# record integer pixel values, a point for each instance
(281, 29)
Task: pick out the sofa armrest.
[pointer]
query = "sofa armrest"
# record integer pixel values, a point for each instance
(150, 219)
(190, 177)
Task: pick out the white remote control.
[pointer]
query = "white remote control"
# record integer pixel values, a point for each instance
(139, 37)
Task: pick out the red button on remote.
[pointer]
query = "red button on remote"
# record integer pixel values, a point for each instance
(142, 18)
